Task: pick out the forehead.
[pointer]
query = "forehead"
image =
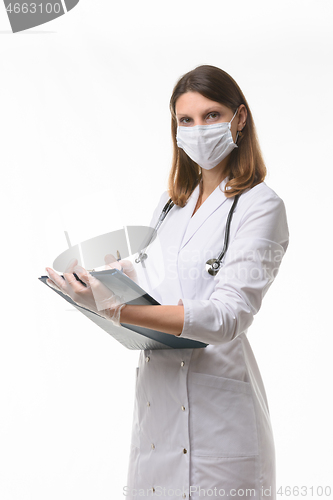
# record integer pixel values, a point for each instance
(193, 101)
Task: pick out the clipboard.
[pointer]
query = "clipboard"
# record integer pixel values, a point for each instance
(130, 336)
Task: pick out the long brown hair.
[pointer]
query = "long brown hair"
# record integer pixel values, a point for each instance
(245, 167)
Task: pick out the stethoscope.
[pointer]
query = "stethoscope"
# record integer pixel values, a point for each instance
(212, 265)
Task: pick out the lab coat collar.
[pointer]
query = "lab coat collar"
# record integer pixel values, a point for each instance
(212, 203)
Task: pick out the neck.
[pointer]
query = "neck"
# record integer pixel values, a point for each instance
(211, 179)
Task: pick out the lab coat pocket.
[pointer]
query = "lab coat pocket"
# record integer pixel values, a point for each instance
(222, 417)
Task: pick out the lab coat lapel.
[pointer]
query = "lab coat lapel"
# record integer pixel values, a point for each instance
(212, 203)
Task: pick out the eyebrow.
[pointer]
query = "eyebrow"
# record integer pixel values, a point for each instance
(208, 110)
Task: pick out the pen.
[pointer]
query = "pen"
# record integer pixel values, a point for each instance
(77, 279)
(119, 258)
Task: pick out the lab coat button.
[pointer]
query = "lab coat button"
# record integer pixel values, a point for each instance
(184, 495)
(182, 363)
(184, 451)
(147, 359)
(152, 446)
(183, 408)
(148, 403)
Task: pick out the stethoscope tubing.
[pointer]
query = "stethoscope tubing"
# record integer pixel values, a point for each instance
(214, 264)
(227, 228)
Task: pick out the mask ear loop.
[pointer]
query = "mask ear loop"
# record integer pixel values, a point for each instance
(230, 124)
(233, 118)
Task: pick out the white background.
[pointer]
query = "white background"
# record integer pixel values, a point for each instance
(84, 118)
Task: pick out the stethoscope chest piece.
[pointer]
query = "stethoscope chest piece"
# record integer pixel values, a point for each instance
(213, 266)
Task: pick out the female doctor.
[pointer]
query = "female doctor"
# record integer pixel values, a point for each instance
(201, 422)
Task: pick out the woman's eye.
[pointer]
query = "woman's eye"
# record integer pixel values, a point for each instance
(185, 120)
(213, 115)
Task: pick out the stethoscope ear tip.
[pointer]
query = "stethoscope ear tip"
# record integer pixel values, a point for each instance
(141, 257)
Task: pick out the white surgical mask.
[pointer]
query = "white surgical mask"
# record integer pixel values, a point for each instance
(207, 145)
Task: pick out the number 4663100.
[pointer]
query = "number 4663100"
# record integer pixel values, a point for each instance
(33, 8)
(304, 491)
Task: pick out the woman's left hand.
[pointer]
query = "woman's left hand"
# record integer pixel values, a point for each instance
(95, 296)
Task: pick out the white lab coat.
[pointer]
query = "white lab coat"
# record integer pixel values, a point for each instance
(201, 422)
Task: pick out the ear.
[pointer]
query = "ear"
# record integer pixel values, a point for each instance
(242, 116)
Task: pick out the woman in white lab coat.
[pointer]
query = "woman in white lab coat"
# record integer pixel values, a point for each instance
(201, 424)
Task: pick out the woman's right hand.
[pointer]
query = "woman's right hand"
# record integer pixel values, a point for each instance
(89, 292)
